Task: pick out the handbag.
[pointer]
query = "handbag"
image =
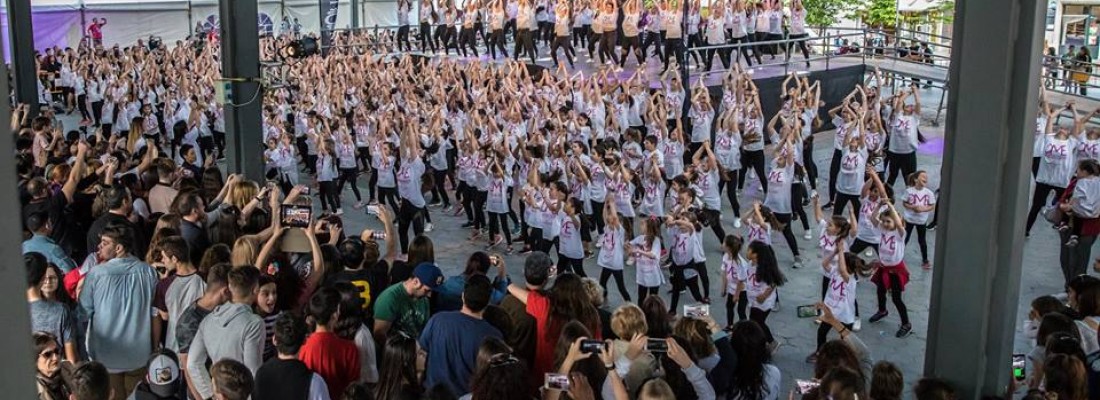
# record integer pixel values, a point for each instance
(1053, 214)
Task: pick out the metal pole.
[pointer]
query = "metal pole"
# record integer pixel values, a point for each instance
(986, 177)
(241, 62)
(355, 13)
(684, 55)
(939, 109)
(22, 54)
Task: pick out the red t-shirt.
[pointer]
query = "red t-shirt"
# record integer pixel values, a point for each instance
(334, 358)
(538, 306)
(95, 31)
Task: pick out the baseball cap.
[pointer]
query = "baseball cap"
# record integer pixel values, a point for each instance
(429, 275)
(163, 374)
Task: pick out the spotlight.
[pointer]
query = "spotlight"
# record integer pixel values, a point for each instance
(301, 48)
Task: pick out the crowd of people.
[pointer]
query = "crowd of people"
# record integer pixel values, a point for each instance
(152, 274)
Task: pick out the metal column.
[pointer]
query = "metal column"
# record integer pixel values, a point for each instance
(22, 53)
(241, 63)
(355, 4)
(18, 382)
(992, 106)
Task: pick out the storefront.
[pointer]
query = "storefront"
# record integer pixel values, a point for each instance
(1073, 23)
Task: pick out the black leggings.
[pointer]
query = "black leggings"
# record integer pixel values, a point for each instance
(607, 47)
(467, 38)
(785, 220)
(618, 274)
(597, 215)
(403, 43)
(731, 193)
(349, 175)
(823, 333)
(844, 199)
(525, 43)
(426, 39)
(808, 161)
(895, 295)
(798, 192)
(388, 196)
(674, 47)
(744, 52)
(760, 317)
(679, 283)
(1039, 199)
(859, 245)
(742, 305)
(496, 41)
(563, 43)
(630, 43)
(409, 215)
(801, 46)
(723, 56)
(834, 170)
(922, 230)
(755, 160)
(905, 163)
(574, 265)
(715, 218)
(439, 192)
(498, 222)
(644, 292)
(479, 199)
(97, 112)
(652, 39)
(82, 105)
(330, 195)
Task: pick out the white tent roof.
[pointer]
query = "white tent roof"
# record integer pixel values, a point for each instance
(918, 5)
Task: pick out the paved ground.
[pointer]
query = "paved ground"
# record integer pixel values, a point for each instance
(1040, 275)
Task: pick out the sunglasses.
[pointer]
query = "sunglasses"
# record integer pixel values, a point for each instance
(50, 353)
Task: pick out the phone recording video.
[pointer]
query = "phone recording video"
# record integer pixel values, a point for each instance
(557, 382)
(654, 345)
(809, 311)
(296, 216)
(696, 310)
(803, 386)
(591, 346)
(1019, 367)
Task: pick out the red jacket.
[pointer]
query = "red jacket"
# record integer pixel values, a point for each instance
(1090, 226)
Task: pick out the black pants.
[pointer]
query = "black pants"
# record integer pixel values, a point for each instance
(440, 37)
(674, 46)
(564, 43)
(82, 105)
(723, 56)
(495, 42)
(859, 245)
(715, 218)
(644, 292)
(801, 46)
(631, 43)
(744, 50)
(678, 285)
(349, 175)
(895, 295)
(439, 193)
(798, 193)
(330, 195)
(1035, 166)
(844, 199)
(823, 333)
(760, 317)
(834, 170)
(479, 208)
(1039, 199)
(409, 215)
(597, 216)
(525, 43)
(403, 43)
(618, 274)
(545, 32)
(580, 37)
(498, 222)
(808, 161)
(742, 301)
(389, 196)
(785, 219)
(695, 40)
(574, 265)
(97, 112)
(425, 36)
(905, 163)
(467, 39)
(652, 39)
(922, 230)
(773, 49)
(607, 47)
(731, 193)
(755, 160)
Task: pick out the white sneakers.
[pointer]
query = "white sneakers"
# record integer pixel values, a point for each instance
(428, 227)
(855, 326)
(737, 223)
(809, 235)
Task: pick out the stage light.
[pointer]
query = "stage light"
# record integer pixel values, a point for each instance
(301, 48)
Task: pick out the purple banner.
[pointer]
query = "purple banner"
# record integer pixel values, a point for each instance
(51, 28)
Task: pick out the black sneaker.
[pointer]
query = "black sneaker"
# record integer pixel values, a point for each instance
(904, 331)
(827, 206)
(878, 316)
(468, 225)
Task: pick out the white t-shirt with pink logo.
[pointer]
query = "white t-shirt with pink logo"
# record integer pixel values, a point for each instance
(918, 197)
(891, 247)
(841, 297)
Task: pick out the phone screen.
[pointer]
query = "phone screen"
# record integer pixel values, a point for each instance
(804, 386)
(557, 382)
(296, 216)
(808, 311)
(1019, 367)
(656, 345)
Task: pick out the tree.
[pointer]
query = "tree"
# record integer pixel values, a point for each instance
(826, 13)
(877, 13)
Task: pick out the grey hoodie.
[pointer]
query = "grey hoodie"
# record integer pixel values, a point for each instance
(232, 331)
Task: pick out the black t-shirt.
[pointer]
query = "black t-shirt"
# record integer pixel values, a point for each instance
(523, 335)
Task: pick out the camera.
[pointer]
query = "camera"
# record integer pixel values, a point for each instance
(591, 346)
